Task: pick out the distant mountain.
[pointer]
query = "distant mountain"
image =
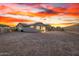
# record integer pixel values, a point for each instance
(74, 27)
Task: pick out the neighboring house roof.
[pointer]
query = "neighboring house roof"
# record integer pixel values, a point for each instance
(38, 24)
(23, 24)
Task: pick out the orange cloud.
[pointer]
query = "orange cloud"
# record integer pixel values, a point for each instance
(59, 9)
(11, 21)
(2, 7)
(72, 10)
(8, 19)
(40, 14)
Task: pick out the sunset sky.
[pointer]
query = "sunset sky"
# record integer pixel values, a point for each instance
(56, 14)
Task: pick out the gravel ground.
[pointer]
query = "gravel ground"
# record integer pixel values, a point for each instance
(55, 43)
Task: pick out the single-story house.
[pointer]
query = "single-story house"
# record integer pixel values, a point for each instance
(37, 26)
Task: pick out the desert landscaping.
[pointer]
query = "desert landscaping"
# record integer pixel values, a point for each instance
(54, 43)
